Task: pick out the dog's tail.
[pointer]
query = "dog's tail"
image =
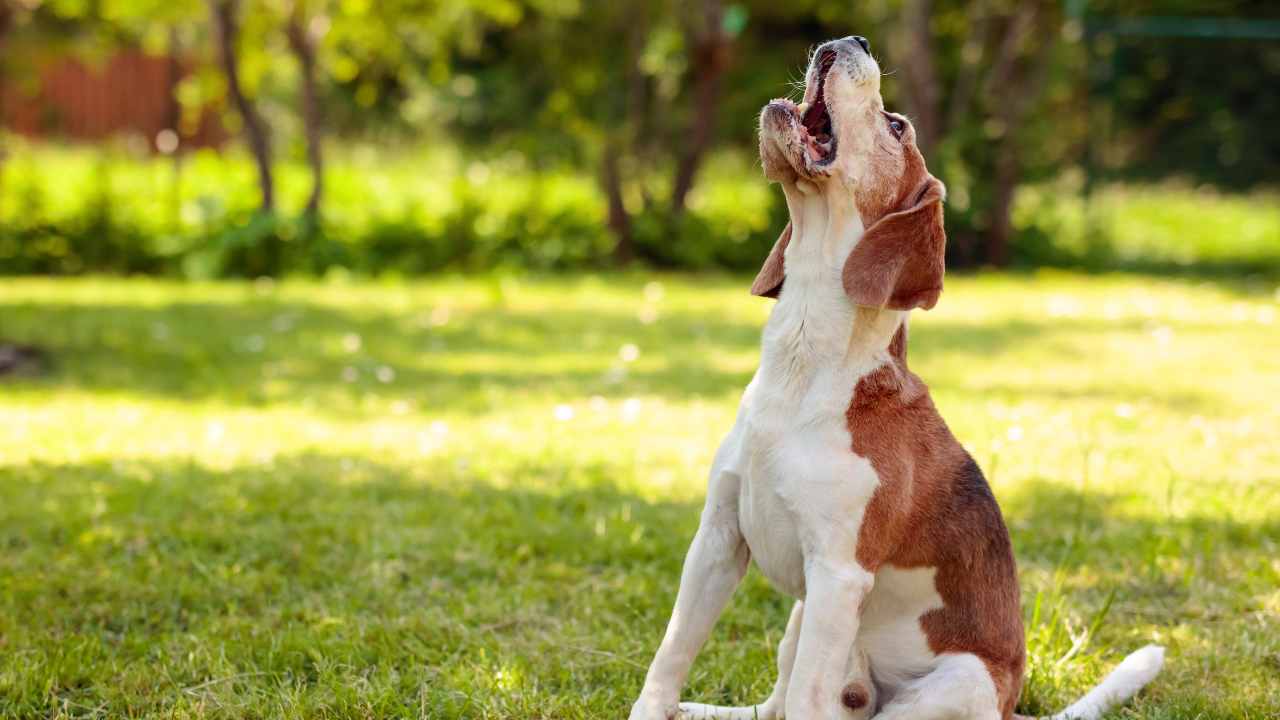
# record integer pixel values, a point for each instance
(1123, 683)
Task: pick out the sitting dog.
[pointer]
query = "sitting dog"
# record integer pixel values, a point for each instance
(839, 478)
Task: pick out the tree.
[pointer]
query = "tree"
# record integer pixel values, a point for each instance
(302, 41)
(974, 128)
(711, 44)
(7, 19)
(645, 107)
(223, 14)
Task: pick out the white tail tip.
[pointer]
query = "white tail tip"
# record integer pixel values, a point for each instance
(1145, 663)
(1134, 672)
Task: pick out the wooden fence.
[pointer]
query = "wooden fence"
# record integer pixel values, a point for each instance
(131, 93)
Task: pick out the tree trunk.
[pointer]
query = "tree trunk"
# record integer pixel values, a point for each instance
(227, 32)
(6, 19)
(963, 91)
(624, 249)
(303, 46)
(710, 60)
(1000, 227)
(173, 76)
(643, 145)
(1012, 53)
(624, 137)
(6, 22)
(1016, 79)
(173, 122)
(923, 91)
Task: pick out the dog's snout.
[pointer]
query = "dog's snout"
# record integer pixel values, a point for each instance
(850, 44)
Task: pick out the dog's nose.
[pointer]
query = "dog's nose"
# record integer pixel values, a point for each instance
(866, 46)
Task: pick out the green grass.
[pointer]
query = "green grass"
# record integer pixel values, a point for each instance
(470, 498)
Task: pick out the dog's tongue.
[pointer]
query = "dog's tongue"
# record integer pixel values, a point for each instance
(814, 148)
(815, 117)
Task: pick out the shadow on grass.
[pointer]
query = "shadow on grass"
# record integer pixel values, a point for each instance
(1075, 529)
(1244, 276)
(131, 585)
(132, 579)
(260, 352)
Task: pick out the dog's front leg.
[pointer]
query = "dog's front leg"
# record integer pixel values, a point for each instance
(834, 590)
(715, 564)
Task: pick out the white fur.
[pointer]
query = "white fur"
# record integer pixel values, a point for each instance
(958, 688)
(1135, 671)
(771, 707)
(891, 632)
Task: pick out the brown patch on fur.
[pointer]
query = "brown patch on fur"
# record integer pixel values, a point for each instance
(768, 282)
(933, 508)
(855, 695)
(898, 345)
(898, 262)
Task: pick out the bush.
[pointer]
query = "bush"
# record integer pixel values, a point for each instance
(71, 211)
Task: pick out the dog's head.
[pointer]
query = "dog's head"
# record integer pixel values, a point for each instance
(841, 141)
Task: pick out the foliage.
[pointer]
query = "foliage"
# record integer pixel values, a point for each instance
(70, 212)
(638, 95)
(470, 498)
(76, 210)
(1187, 104)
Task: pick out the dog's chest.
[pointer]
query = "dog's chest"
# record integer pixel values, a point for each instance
(802, 485)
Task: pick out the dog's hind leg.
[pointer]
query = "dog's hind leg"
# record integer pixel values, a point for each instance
(959, 688)
(770, 709)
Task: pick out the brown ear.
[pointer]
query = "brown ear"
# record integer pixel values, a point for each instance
(899, 262)
(769, 281)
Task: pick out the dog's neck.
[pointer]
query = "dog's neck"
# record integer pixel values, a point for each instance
(814, 323)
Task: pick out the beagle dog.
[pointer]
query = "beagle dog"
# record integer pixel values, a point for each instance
(839, 477)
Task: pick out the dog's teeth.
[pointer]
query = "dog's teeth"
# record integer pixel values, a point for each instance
(802, 108)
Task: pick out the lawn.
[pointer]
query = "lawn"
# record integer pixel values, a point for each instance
(470, 498)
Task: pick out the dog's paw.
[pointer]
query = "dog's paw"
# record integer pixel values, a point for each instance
(691, 711)
(647, 709)
(698, 711)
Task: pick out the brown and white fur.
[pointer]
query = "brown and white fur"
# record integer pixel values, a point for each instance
(839, 477)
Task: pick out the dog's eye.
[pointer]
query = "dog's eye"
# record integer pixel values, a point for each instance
(896, 127)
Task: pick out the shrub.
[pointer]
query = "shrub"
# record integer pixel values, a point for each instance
(73, 211)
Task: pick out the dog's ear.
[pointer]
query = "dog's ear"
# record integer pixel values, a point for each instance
(899, 261)
(769, 281)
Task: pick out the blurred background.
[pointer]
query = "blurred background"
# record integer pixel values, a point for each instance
(365, 358)
(267, 137)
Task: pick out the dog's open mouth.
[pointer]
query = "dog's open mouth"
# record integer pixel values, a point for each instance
(816, 131)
